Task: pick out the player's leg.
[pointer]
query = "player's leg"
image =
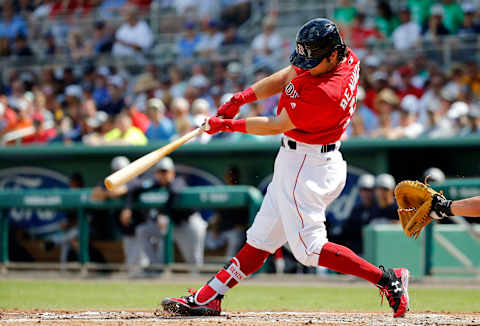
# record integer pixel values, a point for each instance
(263, 238)
(318, 180)
(190, 238)
(144, 233)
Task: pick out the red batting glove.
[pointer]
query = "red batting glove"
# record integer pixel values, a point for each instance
(230, 109)
(216, 124)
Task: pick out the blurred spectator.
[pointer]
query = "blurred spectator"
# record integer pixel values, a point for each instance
(97, 126)
(345, 12)
(228, 226)
(42, 134)
(177, 84)
(124, 132)
(386, 103)
(200, 112)
(102, 39)
(453, 15)
(188, 43)
(110, 9)
(50, 47)
(435, 27)
(69, 7)
(473, 123)
(20, 47)
(386, 20)
(360, 33)
(116, 92)
(133, 37)
(406, 85)
(387, 208)
(126, 219)
(361, 214)
(232, 44)
(420, 10)
(434, 175)
(369, 119)
(234, 79)
(407, 34)
(266, 45)
(8, 117)
(210, 40)
(145, 88)
(409, 127)
(189, 229)
(457, 115)
(11, 24)
(161, 127)
(79, 47)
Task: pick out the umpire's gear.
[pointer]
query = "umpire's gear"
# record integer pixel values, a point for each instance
(316, 40)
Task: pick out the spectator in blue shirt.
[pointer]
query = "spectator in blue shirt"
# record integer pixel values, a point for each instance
(161, 128)
(187, 45)
(11, 25)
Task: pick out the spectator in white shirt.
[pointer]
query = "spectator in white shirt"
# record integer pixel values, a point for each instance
(134, 36)
(210, 41)
(407, 35)
(409, 127)
(267, 45)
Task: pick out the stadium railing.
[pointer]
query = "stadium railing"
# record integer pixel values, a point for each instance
(202, 197)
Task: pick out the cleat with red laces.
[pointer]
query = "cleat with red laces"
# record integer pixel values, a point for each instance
(187, 306)
(396, 289)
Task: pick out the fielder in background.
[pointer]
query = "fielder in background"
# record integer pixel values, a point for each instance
(189, 230)
(318, 99)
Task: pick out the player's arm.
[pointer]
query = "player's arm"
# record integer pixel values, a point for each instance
(469, 207)
(442, 207)
(264, 88)
(253, 125)
(274, 83)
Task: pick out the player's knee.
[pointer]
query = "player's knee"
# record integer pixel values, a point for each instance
(304, 258)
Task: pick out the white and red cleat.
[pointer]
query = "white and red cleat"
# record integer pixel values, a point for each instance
(396, 290)
(187, 306)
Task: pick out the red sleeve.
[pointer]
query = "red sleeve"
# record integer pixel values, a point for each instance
(299, 71)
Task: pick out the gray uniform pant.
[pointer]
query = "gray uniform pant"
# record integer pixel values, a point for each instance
(189, 237)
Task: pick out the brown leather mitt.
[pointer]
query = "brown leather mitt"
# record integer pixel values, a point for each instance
(414, 201)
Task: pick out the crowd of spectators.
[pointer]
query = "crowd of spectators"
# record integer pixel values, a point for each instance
(98, 102)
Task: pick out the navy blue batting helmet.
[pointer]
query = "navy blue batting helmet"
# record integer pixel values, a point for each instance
(316, 40)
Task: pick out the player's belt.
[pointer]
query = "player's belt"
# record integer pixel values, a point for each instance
(291, 144)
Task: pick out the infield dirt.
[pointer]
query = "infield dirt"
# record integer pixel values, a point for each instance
(140, 318)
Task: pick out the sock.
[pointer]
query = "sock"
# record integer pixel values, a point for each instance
(343, 260)
(248, 260)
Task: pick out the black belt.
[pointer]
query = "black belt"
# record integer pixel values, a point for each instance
(293, 145)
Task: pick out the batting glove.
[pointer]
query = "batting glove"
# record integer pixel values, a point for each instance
(230, 109)
(213, 125)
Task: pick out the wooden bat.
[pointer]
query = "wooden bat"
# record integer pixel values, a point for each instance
(145, 162)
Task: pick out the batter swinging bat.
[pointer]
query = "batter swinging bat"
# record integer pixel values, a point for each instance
(145, 162)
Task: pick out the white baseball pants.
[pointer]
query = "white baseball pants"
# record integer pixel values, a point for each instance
(305, 181)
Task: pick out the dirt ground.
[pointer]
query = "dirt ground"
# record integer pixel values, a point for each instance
(136, 318)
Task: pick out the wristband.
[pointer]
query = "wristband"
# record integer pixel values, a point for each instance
(236, 125)
(249, 95)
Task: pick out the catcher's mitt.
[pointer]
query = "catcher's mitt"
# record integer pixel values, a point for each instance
(414, 200)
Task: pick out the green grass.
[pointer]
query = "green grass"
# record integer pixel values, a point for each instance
(247, 297)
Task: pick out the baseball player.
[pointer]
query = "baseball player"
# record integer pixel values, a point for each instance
(318, 98)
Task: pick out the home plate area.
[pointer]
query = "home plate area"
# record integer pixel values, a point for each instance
(231, 318)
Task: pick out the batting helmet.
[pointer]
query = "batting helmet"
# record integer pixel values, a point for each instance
(316, 40)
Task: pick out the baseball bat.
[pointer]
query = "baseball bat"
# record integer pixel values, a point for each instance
(145, 162)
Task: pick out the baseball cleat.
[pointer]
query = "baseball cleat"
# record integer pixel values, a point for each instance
(186, 306)
(396, 290)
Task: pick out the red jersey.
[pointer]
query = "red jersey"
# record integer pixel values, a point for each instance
(321, 107)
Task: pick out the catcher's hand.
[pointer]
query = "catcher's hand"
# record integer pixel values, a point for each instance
(414, 200)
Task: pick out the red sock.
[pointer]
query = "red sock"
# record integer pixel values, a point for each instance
(248, 260)
(343, 260)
